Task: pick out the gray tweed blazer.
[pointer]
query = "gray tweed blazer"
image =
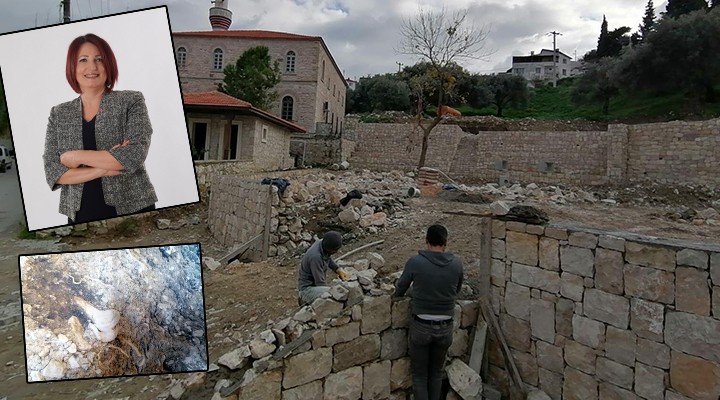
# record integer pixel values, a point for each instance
(122, 115)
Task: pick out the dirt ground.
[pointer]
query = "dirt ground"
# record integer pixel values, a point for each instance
(243, 298)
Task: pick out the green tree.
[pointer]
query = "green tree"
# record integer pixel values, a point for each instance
(610, 43)
(503, 91)
(603, 46)
(676, 8)
(693, 65)
(596, 85)
(252, 78)
(648, 19)
(412, 74)
(386, 92)
(442, 40)
(714, 3)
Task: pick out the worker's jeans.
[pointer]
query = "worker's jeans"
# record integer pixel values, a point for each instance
(428, 345)
(309, 294)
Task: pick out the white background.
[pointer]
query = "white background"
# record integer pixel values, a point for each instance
(33, 72)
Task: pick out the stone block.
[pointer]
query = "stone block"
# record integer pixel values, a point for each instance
(260, 348)
(549, 356)
(588, 332)
(692, 293)
(610, 371)
(497, 273)
(577, 260)
(583, 239)
(609, 308)
(325, 308)
(670, 395)
(549, 253)
(564, 310)
(653, 353)
(609, 271)
(356, 352)
(716, 301)
(236, 359)
(344, 385)
(307, 367)
(263, 386)
(647, 319)
(579, 386)
(694, 377)
(649, 284)
(517, 332)
(376, 380)
(536, 278)
(527, 366)
(650, 256)
(470, 311)
(571, 286)
(611, 243)
(715, 268)
(693, 334)
(312, 390)
(342, 334)
(611, 392)
(580, 357)
(522, 248)
(535, 229)
(516, 226)
(376, 314)
(459, 344)
(393, 344)
(693, 258)
(649, 381)
(542, 320)
(400, 374)
(620, 345)
(556, 233)
(400, 313)
(551, 383)
(517, 301)
(498, 229)
(463, 380)
(498, 249)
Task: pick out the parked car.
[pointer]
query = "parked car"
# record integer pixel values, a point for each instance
(6, 159)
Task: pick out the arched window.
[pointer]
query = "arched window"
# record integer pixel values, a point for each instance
(290, 61)
(218, 59)
(286, 112)
(181, 57)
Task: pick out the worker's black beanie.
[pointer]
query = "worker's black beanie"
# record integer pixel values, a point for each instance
(331, 241)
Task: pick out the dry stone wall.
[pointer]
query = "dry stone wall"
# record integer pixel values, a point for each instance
(590, 314)
(672, 152)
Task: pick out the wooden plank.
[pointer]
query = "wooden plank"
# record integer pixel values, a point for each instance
(509, 361)
(239, 249)
(266, 231)
(359, 248)
(470, 214)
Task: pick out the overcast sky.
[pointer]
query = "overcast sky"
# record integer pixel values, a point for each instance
(362, 35)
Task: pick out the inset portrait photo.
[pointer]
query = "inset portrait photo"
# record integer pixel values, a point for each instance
(133, 311)
(97, 119)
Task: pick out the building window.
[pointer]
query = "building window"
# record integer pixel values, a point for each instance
(538, 70)
(290, 61)
(181, 57)
(334, 88)
(286, 111)
(322, 74)
(264, 133)
(564, 60)
(519, 71)
(564, 72)
(218, 59)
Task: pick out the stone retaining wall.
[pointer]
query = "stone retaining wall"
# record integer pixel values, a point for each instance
(672, 152)
(590, 314)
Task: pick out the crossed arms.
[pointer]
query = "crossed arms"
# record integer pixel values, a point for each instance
(97, 163)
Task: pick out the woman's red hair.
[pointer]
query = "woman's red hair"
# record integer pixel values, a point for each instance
(107, 55)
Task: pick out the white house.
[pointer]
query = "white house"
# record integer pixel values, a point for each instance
(539, 67)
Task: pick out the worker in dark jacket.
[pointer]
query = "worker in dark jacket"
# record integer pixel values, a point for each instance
(314, 266)
(436, 276)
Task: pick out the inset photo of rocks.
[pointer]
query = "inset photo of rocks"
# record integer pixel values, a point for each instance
(133, 311)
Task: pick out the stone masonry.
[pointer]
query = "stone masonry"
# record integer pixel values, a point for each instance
(672, 152)
(590, 314)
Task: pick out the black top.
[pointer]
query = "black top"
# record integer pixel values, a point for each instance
(92, 205)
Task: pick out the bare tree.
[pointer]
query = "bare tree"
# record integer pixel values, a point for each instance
(441, 39)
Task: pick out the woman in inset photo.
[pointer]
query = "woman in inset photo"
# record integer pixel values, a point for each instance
(96, 144)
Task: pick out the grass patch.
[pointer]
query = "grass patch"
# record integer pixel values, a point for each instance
(25, 234)
(128, 227)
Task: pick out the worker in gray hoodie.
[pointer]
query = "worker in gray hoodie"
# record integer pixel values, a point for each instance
(436, 276)
(312, 273)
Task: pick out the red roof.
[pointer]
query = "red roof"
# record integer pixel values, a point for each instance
(222, 100)
(250, 34)
(214, 99)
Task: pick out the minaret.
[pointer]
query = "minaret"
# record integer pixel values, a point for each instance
(220, 16)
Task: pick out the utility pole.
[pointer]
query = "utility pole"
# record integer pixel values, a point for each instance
(555, 74)
(399, 64)
(66, 11)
